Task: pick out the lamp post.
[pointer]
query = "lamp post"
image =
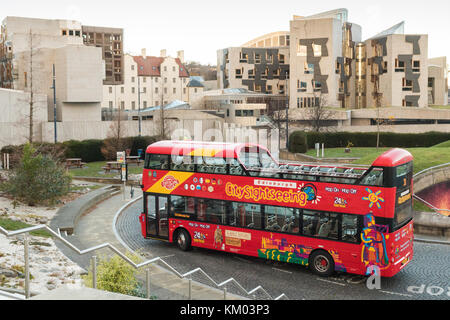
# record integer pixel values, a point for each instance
(139, 105)
(54, 103)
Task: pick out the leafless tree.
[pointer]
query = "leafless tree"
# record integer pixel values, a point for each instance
(115, 141)
(318, 114)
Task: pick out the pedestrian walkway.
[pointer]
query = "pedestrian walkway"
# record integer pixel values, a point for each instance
(96, 227)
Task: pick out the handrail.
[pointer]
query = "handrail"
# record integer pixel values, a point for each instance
(129, 261)
(432, 168)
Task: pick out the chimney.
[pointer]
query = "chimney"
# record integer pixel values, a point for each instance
(144, 53)
(180, 55)
(163, 53)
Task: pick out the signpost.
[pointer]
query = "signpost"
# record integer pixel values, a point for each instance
(121, 158)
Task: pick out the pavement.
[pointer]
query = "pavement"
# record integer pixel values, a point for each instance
(96, 227)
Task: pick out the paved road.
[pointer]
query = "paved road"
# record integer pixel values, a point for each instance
(426, 277)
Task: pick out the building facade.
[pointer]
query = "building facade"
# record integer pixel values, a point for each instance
(263, 70)
(148, 82)
(329, 64)
(30, 49)
(438, 81)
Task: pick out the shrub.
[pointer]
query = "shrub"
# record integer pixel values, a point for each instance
(298, 142)
(114, 275)
(37, 178)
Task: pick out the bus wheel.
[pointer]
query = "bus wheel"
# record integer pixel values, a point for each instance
(183, 240)
(321, 263)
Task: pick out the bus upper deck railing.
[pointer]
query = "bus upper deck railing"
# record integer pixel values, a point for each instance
(136, 266)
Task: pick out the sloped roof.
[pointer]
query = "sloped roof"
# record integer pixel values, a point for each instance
(399, 28)
(195, 84)
(151, 66)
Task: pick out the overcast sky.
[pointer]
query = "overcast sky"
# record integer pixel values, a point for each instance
(201, 27)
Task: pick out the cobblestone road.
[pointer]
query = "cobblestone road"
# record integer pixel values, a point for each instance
(426, 277)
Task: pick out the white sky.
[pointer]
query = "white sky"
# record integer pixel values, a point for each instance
(201, 27)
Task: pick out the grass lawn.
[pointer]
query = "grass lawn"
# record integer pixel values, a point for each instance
(423, 157)
(11, 225)
(340, 152)
(94, 169)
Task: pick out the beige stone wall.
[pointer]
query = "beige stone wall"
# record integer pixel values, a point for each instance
(311, 29)
(437, 69)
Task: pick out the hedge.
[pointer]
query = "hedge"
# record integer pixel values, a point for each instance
(88, 150)
(369, 139)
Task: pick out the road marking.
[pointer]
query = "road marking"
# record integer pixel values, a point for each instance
(396, 293)
(339, 284)
(169, 256)
(282, 270)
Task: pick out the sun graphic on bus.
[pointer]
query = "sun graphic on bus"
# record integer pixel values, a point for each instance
(373, 198)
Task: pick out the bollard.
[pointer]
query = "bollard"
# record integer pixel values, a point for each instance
(190, 290)
(148, 284)
(94, 272)
(225, 293)
(27, 267)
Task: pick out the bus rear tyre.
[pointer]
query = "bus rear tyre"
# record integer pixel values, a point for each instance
(183, 240)
(321, 263)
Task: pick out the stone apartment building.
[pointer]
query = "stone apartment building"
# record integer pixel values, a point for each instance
(148, 81)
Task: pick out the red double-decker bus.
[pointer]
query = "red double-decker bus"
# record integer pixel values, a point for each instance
(237, 198)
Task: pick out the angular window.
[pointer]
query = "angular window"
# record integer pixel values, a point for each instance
(399, 65)
(317, 50)
(238, 73)
(257, 58)
(301, 51)
(416, 66)
(407, 85)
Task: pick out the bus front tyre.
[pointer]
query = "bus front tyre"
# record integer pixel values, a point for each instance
(183, 240)
(321, 263)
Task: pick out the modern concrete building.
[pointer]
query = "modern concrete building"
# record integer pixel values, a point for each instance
(148, 82)
(323, 60)
(30, 48)
(329, 64)
(397, 72)
(264, 70)
(438, 81)
(111, 42)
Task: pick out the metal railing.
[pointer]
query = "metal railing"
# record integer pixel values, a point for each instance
(437, 210)
(57, 235)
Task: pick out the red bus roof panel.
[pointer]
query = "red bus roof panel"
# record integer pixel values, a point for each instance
(393, 158)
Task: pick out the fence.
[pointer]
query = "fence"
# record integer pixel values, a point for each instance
(186, 275)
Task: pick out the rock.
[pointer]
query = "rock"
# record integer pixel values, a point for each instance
(9, 273)
(50, 286)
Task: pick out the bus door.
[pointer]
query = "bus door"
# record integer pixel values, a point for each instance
(158, 217)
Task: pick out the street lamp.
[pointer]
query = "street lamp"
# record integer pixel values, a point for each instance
(54, 103)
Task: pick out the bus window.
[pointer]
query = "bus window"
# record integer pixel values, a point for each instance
(373, 178)
(350, 228)
(281, 219)
(324, 225)
(182, 205)
(246, 215)
(403, 175)
(213, 211)
(157, 162)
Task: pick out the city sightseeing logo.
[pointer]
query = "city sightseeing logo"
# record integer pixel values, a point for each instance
(300, 196)
(170, 182)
